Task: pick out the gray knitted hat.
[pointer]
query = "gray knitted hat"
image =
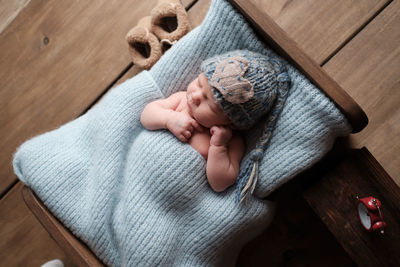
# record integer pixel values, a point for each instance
(245, 84)
(248, 86)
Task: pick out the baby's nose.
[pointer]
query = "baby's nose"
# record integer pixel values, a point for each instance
(196, 96)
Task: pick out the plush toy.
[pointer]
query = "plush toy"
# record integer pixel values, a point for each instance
(154, 34)
(169, 21)
(144, 47)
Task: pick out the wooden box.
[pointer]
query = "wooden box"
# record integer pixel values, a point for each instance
(277, 39)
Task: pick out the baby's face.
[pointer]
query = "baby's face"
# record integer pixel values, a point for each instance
(201, 103)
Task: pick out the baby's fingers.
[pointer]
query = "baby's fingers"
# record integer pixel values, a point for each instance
(182, 138)
(214, 130)
(187, 134)
(197, 126)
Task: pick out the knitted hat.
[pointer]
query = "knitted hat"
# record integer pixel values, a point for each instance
(248, 86)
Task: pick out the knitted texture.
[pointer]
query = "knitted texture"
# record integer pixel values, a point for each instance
(141, 198)
(309, 121)
(245, 84)
(136, 197)
(249, 86)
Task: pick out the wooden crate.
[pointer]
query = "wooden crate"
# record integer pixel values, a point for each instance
(276, 38)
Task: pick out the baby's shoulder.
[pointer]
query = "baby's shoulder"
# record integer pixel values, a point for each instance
(180, 101)
(173, 101)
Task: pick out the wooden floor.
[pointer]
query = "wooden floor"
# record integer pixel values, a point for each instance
(59, 57)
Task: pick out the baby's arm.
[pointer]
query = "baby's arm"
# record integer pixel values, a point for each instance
(161, 114)
(224, 156)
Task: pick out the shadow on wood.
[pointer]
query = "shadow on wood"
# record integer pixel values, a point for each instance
(73, 247)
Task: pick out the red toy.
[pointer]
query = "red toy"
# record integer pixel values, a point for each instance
(370, 215)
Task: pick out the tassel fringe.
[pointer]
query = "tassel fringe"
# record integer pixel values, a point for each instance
(257, 154)
(250, 184)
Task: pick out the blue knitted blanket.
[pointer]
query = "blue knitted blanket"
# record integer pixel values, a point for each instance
(141, 198)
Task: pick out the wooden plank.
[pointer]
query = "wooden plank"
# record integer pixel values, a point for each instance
(9, 10)
(23, 240)
(320, 28)
(301, 248)
(34, 247)
(77, 251)
(296, 237)
(333, 198)
(60, 56)
(281, 43)
(198, 12)
(369, 68)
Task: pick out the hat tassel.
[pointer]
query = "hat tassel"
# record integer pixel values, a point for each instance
(257, 153)
(250, 183)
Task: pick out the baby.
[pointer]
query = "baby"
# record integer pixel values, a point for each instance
(194, 117)
(233, 92)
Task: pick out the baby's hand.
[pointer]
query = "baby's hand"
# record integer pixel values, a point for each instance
(220, 135)
(182, 125)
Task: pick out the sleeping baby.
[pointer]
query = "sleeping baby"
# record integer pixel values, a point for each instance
(233, 92)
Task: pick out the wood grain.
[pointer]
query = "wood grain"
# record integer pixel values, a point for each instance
(198, 12)
(333, 197)
(277, 39)
(61, 55)
(32, 60)
(369, 68)
(23, 241)
(296, 237)
(9, 10)
(298, 251)
(320, 28)
(77, 251)
(21, 247)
